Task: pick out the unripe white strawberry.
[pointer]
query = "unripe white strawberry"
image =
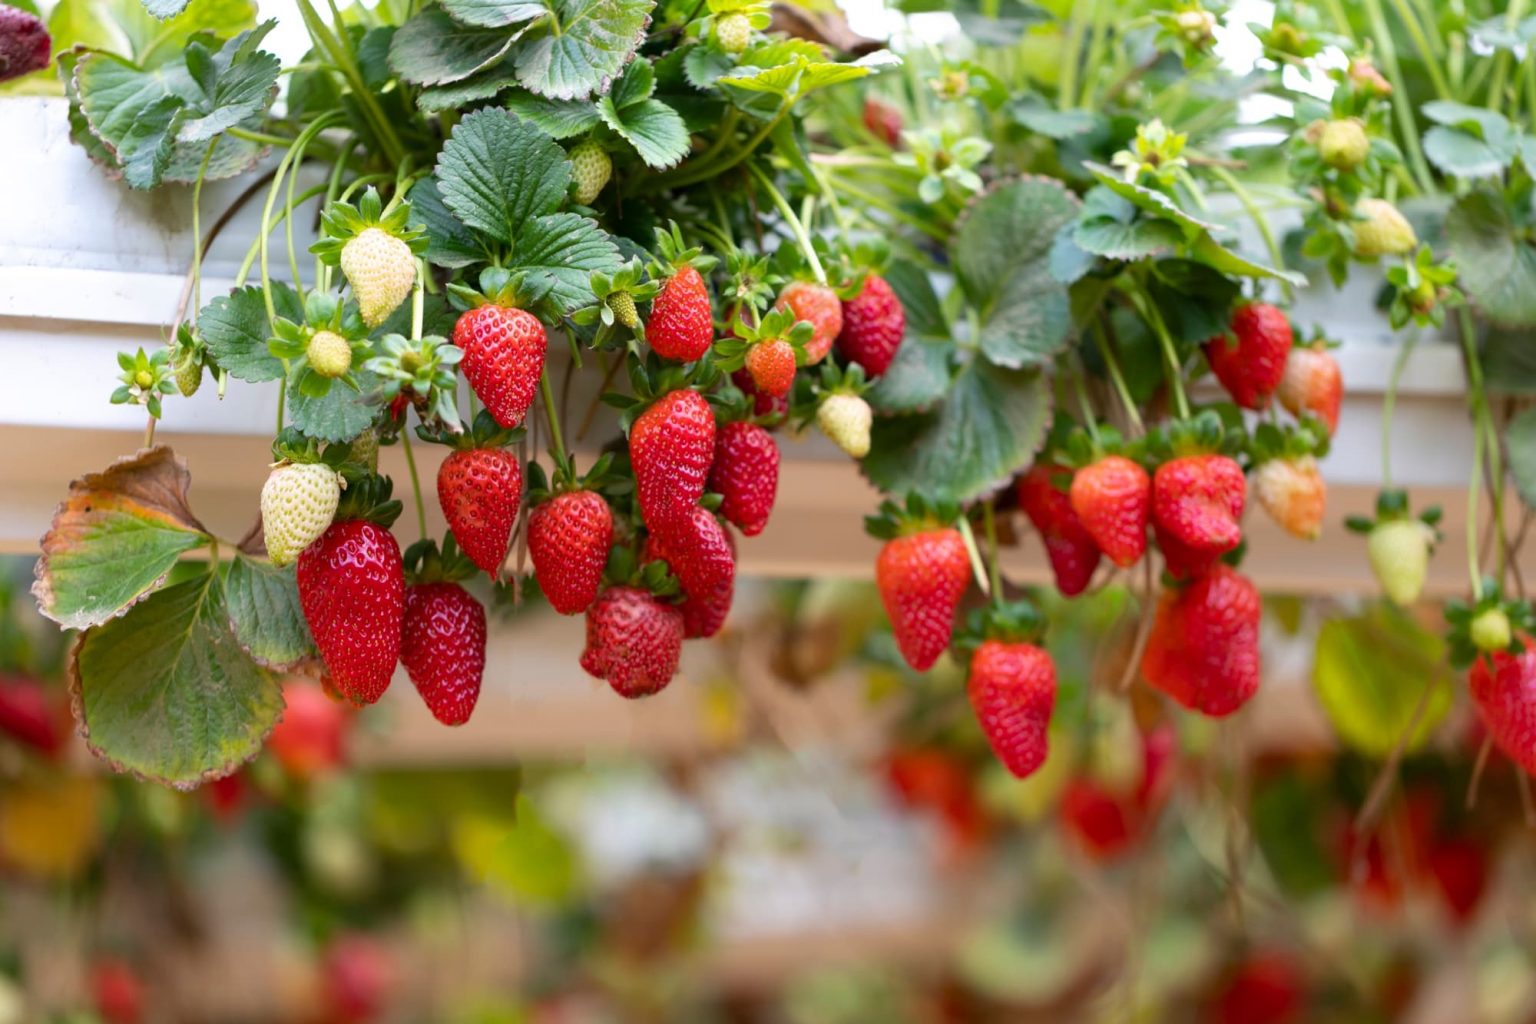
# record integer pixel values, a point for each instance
(733, 32)
(1490, 630)
(1399, 554)
(298, 502)
(1293, 493)
(591, 167)
(1343, 144)
(1381, 229)
(846, 420)
(329, 354)
(381, 271)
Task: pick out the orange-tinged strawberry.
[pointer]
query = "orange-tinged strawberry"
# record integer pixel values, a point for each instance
(681, 325)
(921, 577)
(568, 539)
(480, 490)
(1293, 493)
(874, 323)
(634, 641)
(745, 474)
(443, 648)
(1070, 547)
(1503, 687)
(352, 592)
(504, 351)
(772, 366)
(1250, 358)
(1312, 384)
(1197, 501)
(1203, 650)
(1012, 687)
(819, 306)
(1112, 498)
(671, 447)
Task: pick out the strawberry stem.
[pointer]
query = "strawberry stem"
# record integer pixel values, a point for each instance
(1116, 377)
(1389, 404)
(795, 226)
(994, 571)
(978, 568)
(1154, 319)
(557, 450)
(410, 462)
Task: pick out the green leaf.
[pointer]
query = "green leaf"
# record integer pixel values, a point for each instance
(1509, 361)
(560, 118)
(635, 85)
(432, 49)
(704, 65)
(1219, 257)
(167, 693)
(1036, 115)
(765, 91)
(655, 130)
(494, 13)
(450, 242)
(593, 42)
(1498, 264)
(482, 86)
(498, 171)
(115, 538)
(916, 379)
(264, 610)
(240, 83)
(1520, 440)
(338, 415)
(135, 112)
(163, 9)
(1464, 155)
(1285, 826)
(528, 861)
(561, 251)
(1152, 201)
(236, 330)
(1001, 254)
(988, 427)
(925, 314)
(1370, 673)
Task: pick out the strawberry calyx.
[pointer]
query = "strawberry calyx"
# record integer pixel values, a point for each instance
(652, 380)
(751, 284)
(1391, 506)
(1293, 441)
(1204, 433)
(672, 254)
(341, 222)
(366, 496)
(617, 307)
(852, 265)
(918, 515)
(541, 488)
(1077, 448)
(485, 432)
(730, 352)
(509, 289)
(833, 380)
(424, 563)
(1013, 622)
(421, 370)
(626, 568)
(1486, 626)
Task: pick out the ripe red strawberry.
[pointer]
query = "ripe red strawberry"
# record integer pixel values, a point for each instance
(1293, 493)
(568, 538)
(681, 325)
(442, 647)
(698, 550)
(1312, 383)
(922, 577)
(745, 474)
(1267, 989)
(883, 121)
(1112, 498)
(633, 641)
(1099, 823)
(352, 592)
(1181, 561)
(1459, 868)
(311, 736)
(503, 357)
(772, 367)
(819, 306)
(28, 716)
(1204, 647)
(1250, 359)
(1012, 687)
(1074, 555)
(671, 446)
(874, 323)
(1197, 501)
(480, 490)
(1504, 689)
(762, 404)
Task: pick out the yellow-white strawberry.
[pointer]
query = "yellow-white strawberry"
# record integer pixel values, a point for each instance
(1399, 553)
(1343, 143)
(846, 419)
(329, 354)
(298, 502)
(591, 167)
(1293, 493)
(1381, 229)
(733, 32)
(381, 270)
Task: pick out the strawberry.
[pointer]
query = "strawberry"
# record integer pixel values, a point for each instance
(329, 354)
(698, 551)
(1012, 687)
(1099, 823)
(682, 324)
(921, 577)
(504, 352)
(634, 641)
(311, 736)
(1399, 553)
(1342, 144)
(480, 490)
(1490, 629)
(187, 370)
(733, 32)
(118, 993)
(1111, 498)
(1203, 650)
(591, 167)
(1312, 384)
(24, 43)
(1197, 501)
(1249, 359)
(381, 270)
(1070, 547)
(846, 419)
(874, 323)
(298, 502)
(442, 647)
(1459, 868)
(1180, 560)
(671, 446)
(818, 306)
(1381, 230)
(883, 121)
(28, 716)
(772, 366)
(1293, 493)
(745, 474)
(1266, 989)
(568, 538)
(352, 592)
(762, 404)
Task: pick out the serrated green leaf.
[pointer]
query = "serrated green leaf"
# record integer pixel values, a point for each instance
(164, 9)
(1033, 113)
(1370, 672)
(1114, 227)
(135, 112)
(1509, 361)
(1463, 155)
(1498, 262)
(494, 13)
(1214, 254)
(925, 314)
(1001, 255)
(263, 603)
(482, 86)
(655, 130)
(704, 65)
(916, 379)
(1150, 200)
(240, 83)
(592, 42)
(560, 118)
(987, 428)
(497, 171)
(561, 251)
(338, 415)
(433, 49)
(236, 329)
(450, 242)
(166, 692)
(115, 538)
(231, 156)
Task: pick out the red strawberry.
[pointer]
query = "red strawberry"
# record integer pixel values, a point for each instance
(1073, 554)
(671, 446)
(633, 641)
(1204, 647)
(1197, 500)
(311, 736)
(1312, 383)
(922, 577)
(745, 474)
(1250, 359)
(443, 648)
(116, 991)
(682, 325)
(1504, 689)
(568, 538)
(28, 716)
(24, 43)
(1012, 687)
(1459, 868)
(1098, 822)
(352, 591)
(358, 978)
(883, 121)
(1265, 990)
(772, 367)
(698, 550)
(503, 357)
(480, 490)
(819, 306)
(873, 326)
(1180, 560)
(762, 404)
(1112, 497)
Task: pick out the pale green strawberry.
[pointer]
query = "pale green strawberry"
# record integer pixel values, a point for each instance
(365, 449)
(1399, 553)
(623, 306)
(1381, 229)
(591, 167)
(1490, 630)
(381, 270)
(329, 354)
(298, 502)
(188, 370)
(1343, 144)
(846, 419)
(733, 32)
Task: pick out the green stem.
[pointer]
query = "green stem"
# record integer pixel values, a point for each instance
(293, 177)
(1473, 488)
(1066, 88)
(1085, 406)
(1116, 377)
(261, 138)
(1402, 104)
(332, 189)
(892, 210)
(410, 462)
(282, 396)
(1149, 313)
(1410, 21)
(1238, 189)
(1389, 405)
(978, 567)
(197, 229)
(556, 440)
(285, 166)
(698, 170)
(1512, 16)
(795, 226)
(394, 150)
(994, 572)
(1097, 37)
(255, 246)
